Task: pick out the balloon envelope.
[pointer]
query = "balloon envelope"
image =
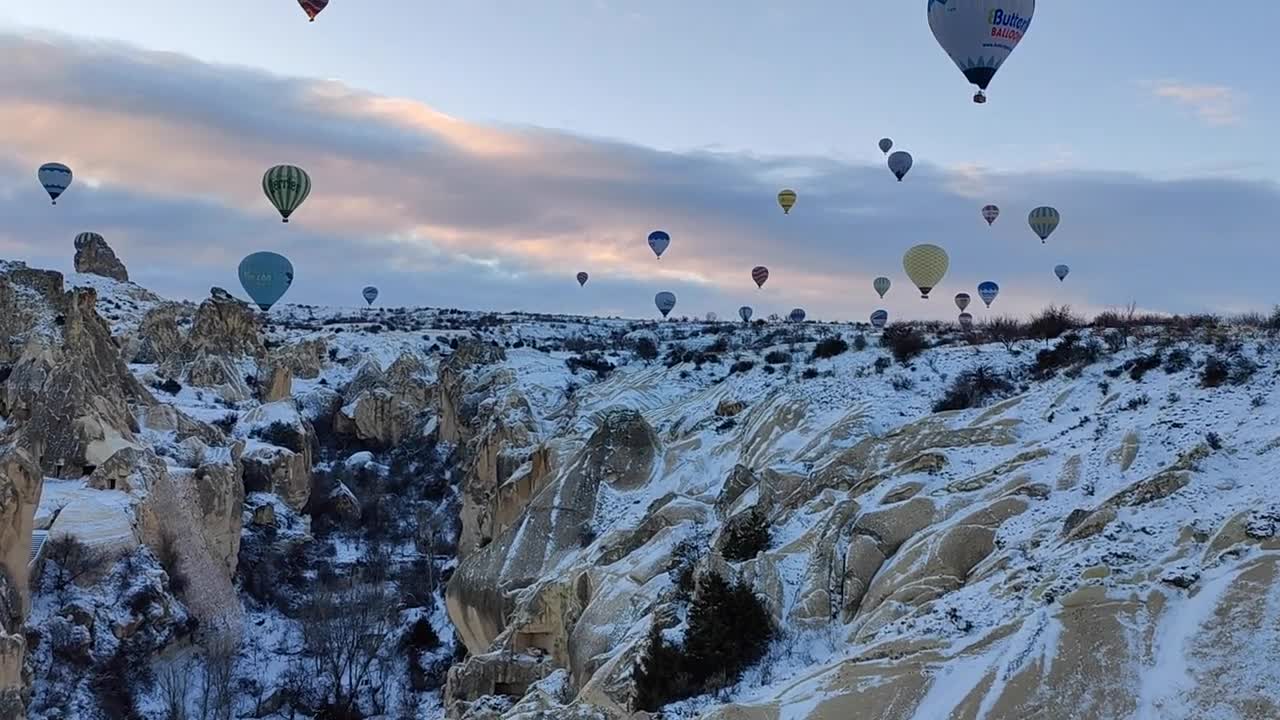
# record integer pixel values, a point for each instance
(962, 301)
(745, 312)
(988, 292)
(1062, 271)
(313, 7)
(760, 274)
(886, 145)
(966, 320)
(1044, 220)
(787, 199)
(665, 301)
(900, 164)
(658, 242)
(925, 265)
(286, 186)
(879, 318)
(370, 293)
(990, 213)
(266, 276)
(56, 178)
(881, 285)
(796, 315)
(979, 35)
(582, 278)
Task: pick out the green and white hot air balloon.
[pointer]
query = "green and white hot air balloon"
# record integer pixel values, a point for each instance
(286, 186)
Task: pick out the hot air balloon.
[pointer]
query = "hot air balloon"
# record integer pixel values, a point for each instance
(900, 163)
(979, 35)
(658, 242)
(990, 213)
(266, 276)
(1044, 220)
(582, 279)
(966, 320)
(962, 301)
(879, 318)
(787, 199)
(886, 145)
(665, 301)
(56, 178)
(797, 315)
(370, 293)
(760, 274)
(988, 292)
(1061, 271)
(286, 187)
(313, 7)
(881, 285)
(744, 312)
(925, 265)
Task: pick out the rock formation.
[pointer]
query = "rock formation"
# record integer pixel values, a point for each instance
(94, 256)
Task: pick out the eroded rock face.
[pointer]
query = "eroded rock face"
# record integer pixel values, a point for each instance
(94, 256)
(225, 326)
(622, 450)
(383, 408)
(159, 339)
(20, 485)
(75, 395)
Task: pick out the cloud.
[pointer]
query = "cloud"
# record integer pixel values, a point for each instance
(1216, 105)
(169, 153)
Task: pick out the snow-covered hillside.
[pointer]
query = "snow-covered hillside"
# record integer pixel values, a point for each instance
(1068, 523)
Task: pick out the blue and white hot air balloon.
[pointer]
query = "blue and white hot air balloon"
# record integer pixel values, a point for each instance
(665, 301)
(370, 293)
(879, 319)
(56, 178)
(658, 242)
(988, 292)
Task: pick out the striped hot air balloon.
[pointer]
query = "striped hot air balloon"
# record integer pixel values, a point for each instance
(760, 274)
(962, 301)
(313, 7)
(1044, 220)
(879, 319)
(787, 199)
(881, 285)
(286, 187)
(797, 315)
(55, 178)
(988, 292)
(745, 313)
(990, 213)
(582, 279)
(926, 265)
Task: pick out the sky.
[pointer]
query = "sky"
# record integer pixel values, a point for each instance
(478, 155)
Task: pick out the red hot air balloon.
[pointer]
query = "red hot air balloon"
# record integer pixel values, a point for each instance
(313, 7)
(760, 274)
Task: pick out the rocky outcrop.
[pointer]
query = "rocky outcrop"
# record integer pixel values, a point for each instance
(225, 326)
(280, 460)
(75, 395)
(305, 359)
(382, 408)
(95, 257)
(159, 340)
(20, 485)
(456, 410)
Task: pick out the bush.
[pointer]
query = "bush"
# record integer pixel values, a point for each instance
(904, 341)
(1142, 364)
(742, 366)
(646, 349)
(882, 363)
(1069, 352)
(777, 357)
(281, 434)
(171, 386)
(747, 536)
(1053, 322)
(974, 388)
(729, 630)
(809, 373)
(859, 342)
(1176, 361)
(1237, 370)
(902, 383)
(830, 347)
(594, 362)
(227, 423)
(420, 637)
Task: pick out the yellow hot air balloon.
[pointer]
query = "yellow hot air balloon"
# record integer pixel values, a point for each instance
(925, 265)
(787, 199)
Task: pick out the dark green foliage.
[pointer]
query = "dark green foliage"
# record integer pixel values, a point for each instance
(227, 423)
(830, 347)
(748, 535)
(646, 349)
(1053, 322)
(809, 373)
(975, 388)
(171, 386)
(729, 630)
(777, 357)
(742, 366)
(282, 434)
(859, 342)
(904, 341)
(1069, 352)
(1142, 364)
(1176, 361)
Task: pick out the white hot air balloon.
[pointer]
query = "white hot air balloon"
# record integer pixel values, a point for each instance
(979, 35)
